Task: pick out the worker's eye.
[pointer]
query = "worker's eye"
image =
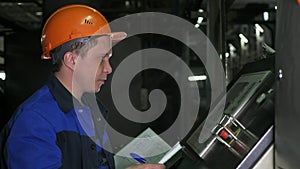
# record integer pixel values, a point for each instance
(107, 55)
(101, 57)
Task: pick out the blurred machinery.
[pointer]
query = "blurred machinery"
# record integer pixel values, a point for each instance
(245, 131)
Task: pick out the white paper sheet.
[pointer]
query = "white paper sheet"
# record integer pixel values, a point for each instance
(148, 145)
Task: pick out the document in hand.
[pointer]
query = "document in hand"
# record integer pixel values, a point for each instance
(148, 146)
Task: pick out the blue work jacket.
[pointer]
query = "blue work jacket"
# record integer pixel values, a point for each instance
(48, 131)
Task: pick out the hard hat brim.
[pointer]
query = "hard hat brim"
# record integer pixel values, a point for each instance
(117, 36)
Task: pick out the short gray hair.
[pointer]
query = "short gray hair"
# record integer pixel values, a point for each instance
(79, 46)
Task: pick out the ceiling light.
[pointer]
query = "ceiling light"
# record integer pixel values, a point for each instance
(200, 10)
(197, 25)
(231, 47)
(227, 55)
(127, 3)
(2, 75)
(200, 19)
(2, 60)
(197, 78)
(266, 16)
(243, 38)
(259, 28)
(39, 13)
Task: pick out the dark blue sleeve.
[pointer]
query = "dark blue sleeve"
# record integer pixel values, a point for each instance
(32, 143)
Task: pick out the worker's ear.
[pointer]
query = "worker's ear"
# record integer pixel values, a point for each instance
(70, 59)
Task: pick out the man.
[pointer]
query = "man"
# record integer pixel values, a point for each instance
(55, 126)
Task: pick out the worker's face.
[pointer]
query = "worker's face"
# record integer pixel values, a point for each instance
(92, 69)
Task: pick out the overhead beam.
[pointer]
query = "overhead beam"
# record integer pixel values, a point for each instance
(228, 4)
(23, 1)
(9, 24)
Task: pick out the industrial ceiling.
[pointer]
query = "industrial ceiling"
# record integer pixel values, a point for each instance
(28, 14)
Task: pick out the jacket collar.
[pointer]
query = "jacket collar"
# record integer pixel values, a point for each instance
(62, 96)
(66, 101)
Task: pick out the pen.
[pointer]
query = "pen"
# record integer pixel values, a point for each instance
(138, 158)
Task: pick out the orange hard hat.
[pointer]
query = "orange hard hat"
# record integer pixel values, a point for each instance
(73, 22)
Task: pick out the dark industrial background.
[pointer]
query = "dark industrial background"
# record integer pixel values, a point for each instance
(223, 21)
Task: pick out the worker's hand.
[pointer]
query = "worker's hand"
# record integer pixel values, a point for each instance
(147, 166)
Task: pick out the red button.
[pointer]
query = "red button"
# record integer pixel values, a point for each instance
(223, 134)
